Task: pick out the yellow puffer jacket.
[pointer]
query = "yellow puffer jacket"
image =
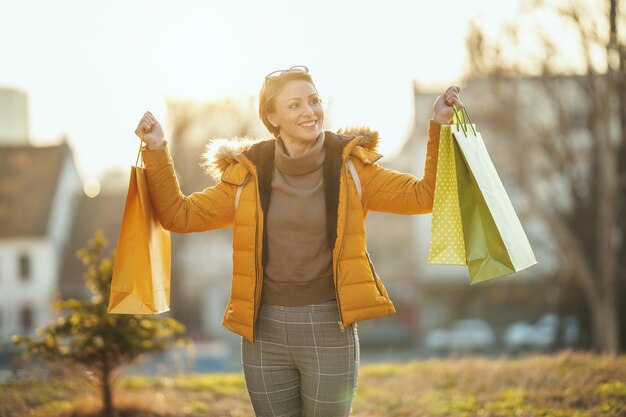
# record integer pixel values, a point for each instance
(360, 293)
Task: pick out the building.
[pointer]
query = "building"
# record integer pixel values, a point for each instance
(38, 189)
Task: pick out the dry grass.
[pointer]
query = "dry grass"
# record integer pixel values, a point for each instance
(568, 384)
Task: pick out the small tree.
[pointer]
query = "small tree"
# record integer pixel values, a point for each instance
(86, 335)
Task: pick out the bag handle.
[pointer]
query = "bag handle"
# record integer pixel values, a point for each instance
(139, 155)
(460, 120)
(239, 189)
(355, 177)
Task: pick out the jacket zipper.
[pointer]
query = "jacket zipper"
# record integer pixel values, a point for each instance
(373, 272)
(340, 322)
(256, 269)
(256, 251)
(256, 261)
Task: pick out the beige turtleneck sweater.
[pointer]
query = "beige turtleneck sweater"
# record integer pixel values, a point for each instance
(299, 268)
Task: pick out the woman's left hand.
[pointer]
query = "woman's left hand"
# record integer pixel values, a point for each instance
(442, 109)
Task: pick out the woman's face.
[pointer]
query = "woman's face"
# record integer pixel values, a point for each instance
(298, 112)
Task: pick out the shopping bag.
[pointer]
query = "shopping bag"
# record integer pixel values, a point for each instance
(472, 196)
(447, 245)
(141, 273)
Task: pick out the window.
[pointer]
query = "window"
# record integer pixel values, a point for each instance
(24, 267)
(26, 317)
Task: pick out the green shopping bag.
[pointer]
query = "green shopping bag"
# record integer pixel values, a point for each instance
(473, 220)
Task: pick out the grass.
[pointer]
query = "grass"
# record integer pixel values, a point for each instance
(567, 384)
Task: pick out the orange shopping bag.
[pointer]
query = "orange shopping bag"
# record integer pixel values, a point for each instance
(141, 274)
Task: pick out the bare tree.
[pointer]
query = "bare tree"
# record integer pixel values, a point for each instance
(564, 80)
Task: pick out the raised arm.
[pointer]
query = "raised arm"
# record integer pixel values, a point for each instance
(395, 192)
(211, 208)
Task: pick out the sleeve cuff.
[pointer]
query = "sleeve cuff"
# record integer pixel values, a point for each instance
(153, 157)
(434, 129)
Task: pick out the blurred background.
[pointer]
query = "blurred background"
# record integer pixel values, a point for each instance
(544, 81)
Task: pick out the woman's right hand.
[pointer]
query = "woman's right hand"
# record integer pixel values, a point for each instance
(150, 131)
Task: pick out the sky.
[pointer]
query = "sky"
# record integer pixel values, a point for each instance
(91, 69)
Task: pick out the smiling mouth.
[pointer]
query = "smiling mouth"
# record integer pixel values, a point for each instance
(308, 124)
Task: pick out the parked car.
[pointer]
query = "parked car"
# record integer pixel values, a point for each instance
(471, 334)
(542, 335)
(518, 336)
(464, 335)
(546, 331)
(437, 340)
(571, 331)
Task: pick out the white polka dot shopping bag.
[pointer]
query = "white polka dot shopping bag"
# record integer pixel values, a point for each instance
(446, 234)
(473, 220)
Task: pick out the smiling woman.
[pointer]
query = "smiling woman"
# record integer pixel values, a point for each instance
(302, 274)
(291, 108)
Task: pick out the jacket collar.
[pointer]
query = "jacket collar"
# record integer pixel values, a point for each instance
(220, 153)
(223, 158)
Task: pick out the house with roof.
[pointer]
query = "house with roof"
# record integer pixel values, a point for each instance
(38, 194)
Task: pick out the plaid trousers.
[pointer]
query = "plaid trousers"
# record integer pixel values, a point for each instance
(301, 363)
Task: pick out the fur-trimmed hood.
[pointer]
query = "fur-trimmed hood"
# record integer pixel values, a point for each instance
(220, 152)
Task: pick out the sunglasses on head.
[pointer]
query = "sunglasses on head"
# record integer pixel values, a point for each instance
(274, 75)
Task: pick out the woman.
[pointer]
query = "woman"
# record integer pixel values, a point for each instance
(302, 276)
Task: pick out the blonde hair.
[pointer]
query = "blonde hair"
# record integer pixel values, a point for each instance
(271, 89)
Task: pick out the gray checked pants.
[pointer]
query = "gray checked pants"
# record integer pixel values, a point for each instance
(301, 364)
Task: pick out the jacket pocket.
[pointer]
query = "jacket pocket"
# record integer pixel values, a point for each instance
(369, 260)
